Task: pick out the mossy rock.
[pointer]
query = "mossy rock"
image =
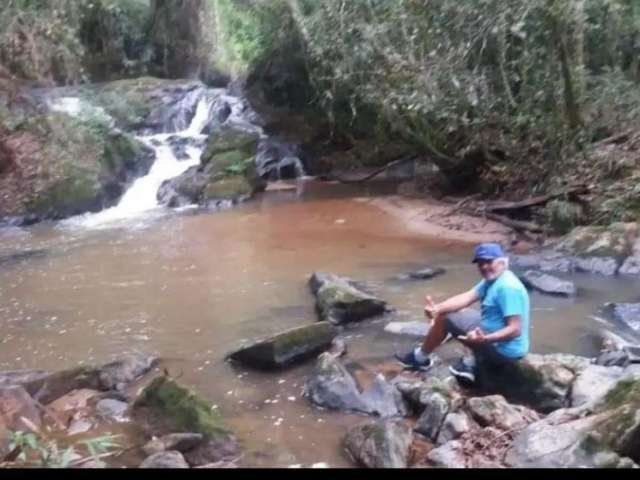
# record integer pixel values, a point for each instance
(227, 188)
(615, 240)
(341, 302)
(182, 408)
(228, 139)
(82, 168)
(286, 348)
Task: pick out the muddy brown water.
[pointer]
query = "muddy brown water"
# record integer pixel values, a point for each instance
(191, 286)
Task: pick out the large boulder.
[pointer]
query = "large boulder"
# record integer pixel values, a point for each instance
(545, 261)
(339, 301)
(615, 241)
(286, 348)
(65, 167)
(571, 444)
(549, 284)
(593, 383)
(542, 382)
(379, 444)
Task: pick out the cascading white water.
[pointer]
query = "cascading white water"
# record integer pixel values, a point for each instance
(141, 196)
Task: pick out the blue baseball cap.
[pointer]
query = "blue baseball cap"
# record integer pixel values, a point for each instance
(487, 251)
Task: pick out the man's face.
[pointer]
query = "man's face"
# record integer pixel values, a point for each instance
(490, 269)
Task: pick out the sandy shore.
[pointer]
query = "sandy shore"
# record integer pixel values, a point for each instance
(429, 217)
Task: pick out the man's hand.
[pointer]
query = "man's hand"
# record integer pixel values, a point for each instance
(474, 337)
(430, 308)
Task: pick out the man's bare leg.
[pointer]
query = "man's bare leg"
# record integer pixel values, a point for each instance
(436, 335)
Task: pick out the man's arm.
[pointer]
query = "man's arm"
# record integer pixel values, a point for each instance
(512, 330)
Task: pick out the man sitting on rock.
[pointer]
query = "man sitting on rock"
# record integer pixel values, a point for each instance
(499, 337)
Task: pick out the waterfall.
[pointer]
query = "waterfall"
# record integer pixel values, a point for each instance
(141, 195)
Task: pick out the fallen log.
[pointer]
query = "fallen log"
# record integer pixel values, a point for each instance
(519, 225)
(372, 174)
(530, 202)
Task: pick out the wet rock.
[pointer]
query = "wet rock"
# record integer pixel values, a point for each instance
(632, 352)
(212, 450)
(180, 146)
(181, 442)
(380, 444)
(435, 411)
(74, 402)
(116, 375)
(112, 410)
(454, 426)
(449, 455)
(412, 329)
(616, 358)
(418, 394)
(615, 240)
(546, 283)
(55, 385)
(338, 347)
(339, 301)
(542, 382)
(286, 348)
(545, 445)
(278, 160)
(170, 459)
(626, 313)
(495, 411)
(18, 411)
(332, 386)
(22, 377)
(182, 409)
(593, 384)
(78, 426)
(607, 266)
(631, 266)
(425, 273)
(383, 399)
(545, 261)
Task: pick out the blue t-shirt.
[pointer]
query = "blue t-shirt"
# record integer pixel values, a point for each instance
(503, 297)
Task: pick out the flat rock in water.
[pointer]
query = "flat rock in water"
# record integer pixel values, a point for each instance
(170, 459)
(545, 261)
(606, 266)
(413, 329)
(424, 274)
(549, 284)
(22, 377)
(627, 313)
(379, 444)
(286, 348)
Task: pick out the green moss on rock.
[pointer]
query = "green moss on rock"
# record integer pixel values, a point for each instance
(182, 407)
(226, 140)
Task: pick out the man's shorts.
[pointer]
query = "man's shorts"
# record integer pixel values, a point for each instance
(460, 323)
